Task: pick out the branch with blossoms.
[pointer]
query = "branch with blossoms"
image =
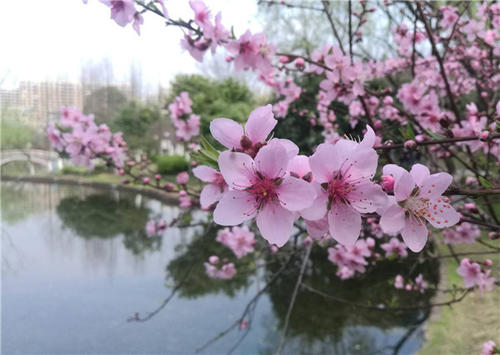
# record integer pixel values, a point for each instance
(437, 97)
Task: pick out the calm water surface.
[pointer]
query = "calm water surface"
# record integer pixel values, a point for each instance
(76, 265)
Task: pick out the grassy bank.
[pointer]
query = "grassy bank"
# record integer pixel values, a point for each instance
(462, 328)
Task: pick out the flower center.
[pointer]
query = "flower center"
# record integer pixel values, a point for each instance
(264, 189)
(339, 188)
(417, 205)
(245, 47)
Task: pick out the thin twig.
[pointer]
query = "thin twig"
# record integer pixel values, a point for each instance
(292, 300)
(332, 24)
(137, 318)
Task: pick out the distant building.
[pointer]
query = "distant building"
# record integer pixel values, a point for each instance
(41, 101)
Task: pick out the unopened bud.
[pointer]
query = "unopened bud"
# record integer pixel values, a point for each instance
(484, 135)
(471, 207)
(494, 235)
(387, 182)
(410, 144)
(284, 59)
(300, 63)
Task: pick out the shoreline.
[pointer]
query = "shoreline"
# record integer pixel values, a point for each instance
(165, 197)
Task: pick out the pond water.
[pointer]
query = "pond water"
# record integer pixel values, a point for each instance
(77, 265)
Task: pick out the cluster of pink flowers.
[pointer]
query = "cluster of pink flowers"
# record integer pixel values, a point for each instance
(269, 181)
(474, 275)
(395, 247)
(154, 228)
(124, 12)
(78, 135)
(351, 259)
(463, 233)
(217, 270)
(266, 179)
(239, 239)
(419, 284)
(187, 124)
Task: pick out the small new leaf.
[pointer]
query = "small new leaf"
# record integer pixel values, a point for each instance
(485, 183)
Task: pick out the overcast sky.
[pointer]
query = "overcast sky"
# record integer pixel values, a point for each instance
(51, 39)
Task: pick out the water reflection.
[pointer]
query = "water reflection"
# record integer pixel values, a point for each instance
(101, 216)
(80, 264)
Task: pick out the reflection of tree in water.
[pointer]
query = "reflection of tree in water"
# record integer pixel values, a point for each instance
(101, 216)
(195, 254)
(316, 321)
(19, 201)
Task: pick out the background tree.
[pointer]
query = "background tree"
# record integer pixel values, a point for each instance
(212, 98)
(104, 103)
(138, 122)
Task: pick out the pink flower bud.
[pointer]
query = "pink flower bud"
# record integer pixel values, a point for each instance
(157, 176)
(243, 325)
(484, 134)
(488, 262)
(471, 207)
(145, 180)
(168, 187)
(121, 171)
(307, 240)
(299, 63)
(410, 144)
(420, 138)
(388, 100)
(162, 225)
(182, 193)
(213, 260)
(284, 59)
(183, 178)
(493, 235)
(470, 180)
(229, 58)
(387, 182)
(408, 287)
(377, 124)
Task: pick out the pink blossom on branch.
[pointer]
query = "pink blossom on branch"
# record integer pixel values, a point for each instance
(261, 188)
(418, 198)
(239, 239)
(345, 171)
(216, 187)
(473, 275)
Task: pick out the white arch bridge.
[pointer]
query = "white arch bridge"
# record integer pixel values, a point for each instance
(48, 159)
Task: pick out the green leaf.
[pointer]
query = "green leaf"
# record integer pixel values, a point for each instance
(204, 157)
(407, 132)
(485, 183)
(208, 147)
(434, 135)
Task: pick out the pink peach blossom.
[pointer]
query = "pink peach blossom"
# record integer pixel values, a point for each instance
(344, 171)
(417, 198)
(216, 187)
(260, 188)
